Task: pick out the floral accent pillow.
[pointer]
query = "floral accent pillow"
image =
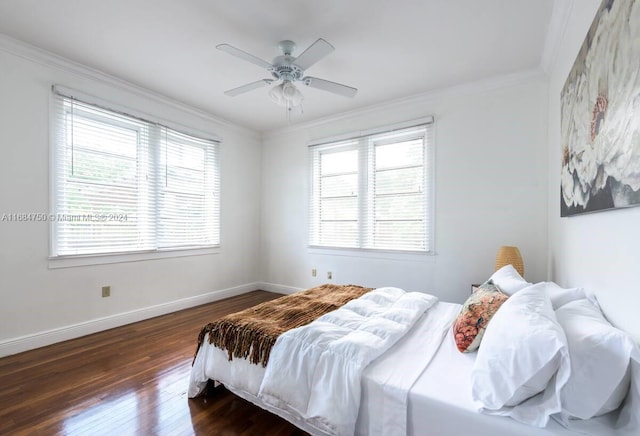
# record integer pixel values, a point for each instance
(475, 315)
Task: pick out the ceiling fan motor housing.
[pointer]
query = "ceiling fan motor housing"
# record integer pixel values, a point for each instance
(283, 68)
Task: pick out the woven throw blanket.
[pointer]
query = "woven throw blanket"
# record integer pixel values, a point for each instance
(251, 333)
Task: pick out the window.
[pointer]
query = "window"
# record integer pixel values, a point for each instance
(123, 184)
(373, 191)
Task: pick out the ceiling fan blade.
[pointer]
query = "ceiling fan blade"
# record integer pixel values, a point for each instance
(313, 54)
(248, 87)
(327, 85)
(244, 55)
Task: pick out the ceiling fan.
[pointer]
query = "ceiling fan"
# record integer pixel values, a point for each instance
(289, 69)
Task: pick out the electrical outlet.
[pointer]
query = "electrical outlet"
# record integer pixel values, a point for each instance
(329, 275)
(106, 291)
(313, 272)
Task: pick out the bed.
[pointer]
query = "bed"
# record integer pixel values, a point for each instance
(402, 391)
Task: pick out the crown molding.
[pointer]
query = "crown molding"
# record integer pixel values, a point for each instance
(425, 97)
(555, 34)
(43, 57)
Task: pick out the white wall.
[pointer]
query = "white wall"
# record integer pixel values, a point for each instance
(599, 251)
(490, 191)
(36, 299)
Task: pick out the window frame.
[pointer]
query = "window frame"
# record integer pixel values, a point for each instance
(366, 174)
(73, 260)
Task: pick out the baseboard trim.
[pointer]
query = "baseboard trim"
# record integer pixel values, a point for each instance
(48, 337)
(280, 289)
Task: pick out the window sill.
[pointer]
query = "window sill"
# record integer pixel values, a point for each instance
(102, 259)
(416, 256)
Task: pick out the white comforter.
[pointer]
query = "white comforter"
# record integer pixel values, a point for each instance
(315, 371)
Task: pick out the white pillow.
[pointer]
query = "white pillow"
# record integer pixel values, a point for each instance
(508, 280)
(561, 296)
(600, 361)
(523, 361)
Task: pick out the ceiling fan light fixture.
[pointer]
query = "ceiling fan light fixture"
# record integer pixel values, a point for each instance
(286, 95)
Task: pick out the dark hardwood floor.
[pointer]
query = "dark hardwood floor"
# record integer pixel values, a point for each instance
(128, 380)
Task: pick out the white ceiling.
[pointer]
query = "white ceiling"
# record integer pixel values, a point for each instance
(387, 49)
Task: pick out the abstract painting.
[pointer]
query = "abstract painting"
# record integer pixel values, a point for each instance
(600, 115)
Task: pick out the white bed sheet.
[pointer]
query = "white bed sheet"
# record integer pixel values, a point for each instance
(439, 402)
(387, 381)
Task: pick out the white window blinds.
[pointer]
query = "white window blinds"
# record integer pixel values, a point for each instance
(373, 191)
(124, 184)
